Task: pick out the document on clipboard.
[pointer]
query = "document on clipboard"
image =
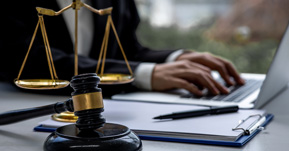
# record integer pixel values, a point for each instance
(233, 129)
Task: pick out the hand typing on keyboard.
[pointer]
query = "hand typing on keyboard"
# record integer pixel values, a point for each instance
(192, 71)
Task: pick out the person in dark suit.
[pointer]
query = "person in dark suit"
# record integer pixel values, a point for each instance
(154, 70)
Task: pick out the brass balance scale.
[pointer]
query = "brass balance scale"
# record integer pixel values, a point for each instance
(54, 82)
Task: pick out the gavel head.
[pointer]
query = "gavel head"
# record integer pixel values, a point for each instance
(87, 101)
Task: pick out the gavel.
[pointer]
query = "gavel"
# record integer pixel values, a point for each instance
(90, 132)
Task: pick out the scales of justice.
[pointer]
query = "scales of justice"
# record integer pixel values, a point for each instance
(90, 132)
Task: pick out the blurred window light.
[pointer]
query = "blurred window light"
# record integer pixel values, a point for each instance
(246, 32)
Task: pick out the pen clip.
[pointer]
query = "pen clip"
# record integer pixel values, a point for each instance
(256, 125)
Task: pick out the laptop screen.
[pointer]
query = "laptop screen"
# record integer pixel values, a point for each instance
(277, 76)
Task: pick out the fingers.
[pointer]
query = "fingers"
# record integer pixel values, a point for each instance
(221, 68)
(231, 71)
(183, 84)
(204, 79)
(220, 87)
(224, 67)
(235, 74)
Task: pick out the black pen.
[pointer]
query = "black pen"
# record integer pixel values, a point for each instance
(201, 112)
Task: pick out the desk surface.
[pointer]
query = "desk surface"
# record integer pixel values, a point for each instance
(20, 136)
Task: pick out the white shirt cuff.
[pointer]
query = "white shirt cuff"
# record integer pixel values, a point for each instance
(143, 75)
(173, 56)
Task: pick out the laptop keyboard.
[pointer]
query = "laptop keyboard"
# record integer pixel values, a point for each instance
(237, 92)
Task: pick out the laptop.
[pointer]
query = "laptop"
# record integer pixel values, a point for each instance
(258, 90)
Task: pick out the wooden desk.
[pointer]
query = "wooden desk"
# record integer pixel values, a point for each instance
(20, 136)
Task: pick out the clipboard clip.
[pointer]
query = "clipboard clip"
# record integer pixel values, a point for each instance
(256, 125)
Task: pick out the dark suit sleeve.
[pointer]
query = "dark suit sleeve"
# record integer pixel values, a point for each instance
(127, 19)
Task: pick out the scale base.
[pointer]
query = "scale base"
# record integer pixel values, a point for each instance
(110, 137)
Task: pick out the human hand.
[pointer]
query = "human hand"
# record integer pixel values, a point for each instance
(224, 67)
(187, 75)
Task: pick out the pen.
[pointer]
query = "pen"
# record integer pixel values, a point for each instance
(201, 112)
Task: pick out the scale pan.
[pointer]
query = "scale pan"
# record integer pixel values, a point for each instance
(41, 84)
(115, 78)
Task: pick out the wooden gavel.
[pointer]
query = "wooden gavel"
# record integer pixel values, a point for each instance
(90, 132)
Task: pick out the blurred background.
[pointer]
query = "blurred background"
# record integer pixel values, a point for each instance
(246, 32)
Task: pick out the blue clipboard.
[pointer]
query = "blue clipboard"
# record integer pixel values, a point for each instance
(238, 143)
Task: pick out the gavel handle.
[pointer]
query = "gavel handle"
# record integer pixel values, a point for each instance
(24, 114)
